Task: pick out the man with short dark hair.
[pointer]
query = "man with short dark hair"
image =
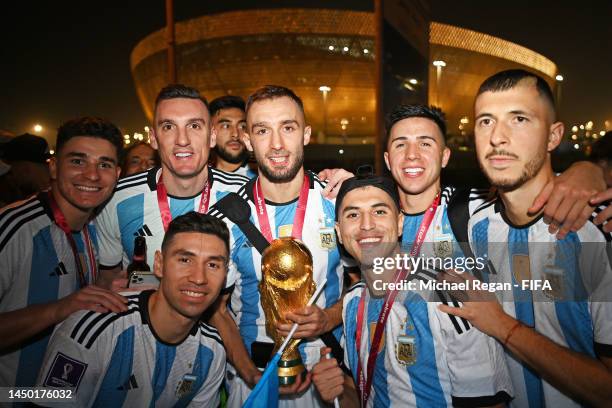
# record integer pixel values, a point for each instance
(419, 357)
(48, 248)
(138, 157)
(284, 200)
(145, 203)
(158, 352)
(558, 337)
(229, 121)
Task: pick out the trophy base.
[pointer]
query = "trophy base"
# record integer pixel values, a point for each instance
(288, 370)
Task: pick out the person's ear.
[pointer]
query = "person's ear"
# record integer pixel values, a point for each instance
(386, 155)
(307, 133)
(555, 135)
(53, 167)
(337, 228)
(446, 153)
(158, 264)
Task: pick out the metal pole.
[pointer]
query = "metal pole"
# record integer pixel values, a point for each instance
(170, 41)
(379, 120)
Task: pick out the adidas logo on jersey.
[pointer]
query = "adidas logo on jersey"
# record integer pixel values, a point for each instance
(59, 270)
(130, 384)
(143, 232)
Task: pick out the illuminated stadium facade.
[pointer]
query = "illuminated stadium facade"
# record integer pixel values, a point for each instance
(309, 49)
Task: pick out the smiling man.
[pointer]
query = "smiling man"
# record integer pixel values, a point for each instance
(157, 353)
(402, 351)
(229, 121)
(48, 248)
(145, 203)
(284, 200)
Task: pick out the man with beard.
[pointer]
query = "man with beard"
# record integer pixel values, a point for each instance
(145, 203)
(284, 200)
(48, 261)
(558, 338)
(229, 121)
(158, 352)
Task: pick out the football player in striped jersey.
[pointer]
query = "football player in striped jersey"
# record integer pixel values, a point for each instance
(158, 352)
(48, 248)
(144, 203)
(401, 350)
(558, 338)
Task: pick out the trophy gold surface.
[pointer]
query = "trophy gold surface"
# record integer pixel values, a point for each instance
(286, 285)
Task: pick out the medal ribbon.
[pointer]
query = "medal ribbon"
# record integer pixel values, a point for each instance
(60, 221)
(300, 211)
(365, 385)
(164, 206)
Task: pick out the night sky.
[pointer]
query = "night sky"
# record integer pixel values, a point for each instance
(63, 59)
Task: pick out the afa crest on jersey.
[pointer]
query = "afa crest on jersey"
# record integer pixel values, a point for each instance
(405, 350)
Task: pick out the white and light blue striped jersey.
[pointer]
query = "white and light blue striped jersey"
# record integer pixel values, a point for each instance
(134, 210)
(574, 312)
(245, 170)
(245, 266)
(115, 360)
(37, 266)
(440, 241)
(427, 358)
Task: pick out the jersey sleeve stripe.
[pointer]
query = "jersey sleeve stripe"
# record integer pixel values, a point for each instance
(91, 325)
(93, 318)
(12, 215)
(212, 336)
(127, 179)
(138, 182)
(104, 325)
(355, 286)
(9, 234)
(29, 204)
(453, 318)
(228, 178)
(80, 323)
(466, 324)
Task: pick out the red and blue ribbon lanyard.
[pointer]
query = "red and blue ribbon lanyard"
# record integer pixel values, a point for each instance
(60, 221)
(164, 206)
(300, 211)
(365, 384)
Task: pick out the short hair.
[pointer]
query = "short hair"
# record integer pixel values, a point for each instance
(196, 222)
(273, 92)
(226, 102)
(505, 80)
(401, 112)
(127, 150)
(601, 150)
(174, 91)
(90, 127)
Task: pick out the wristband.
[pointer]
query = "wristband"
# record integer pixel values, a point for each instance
(510, 332)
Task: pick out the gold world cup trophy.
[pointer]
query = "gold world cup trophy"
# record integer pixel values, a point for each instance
(286, 285)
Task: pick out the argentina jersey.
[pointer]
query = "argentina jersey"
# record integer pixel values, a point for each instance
(426, 358)
(245, 170)
(245, 267)
(134, 211)
(115, 360)
(440, 241)
(573, 310)
(37, 266)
